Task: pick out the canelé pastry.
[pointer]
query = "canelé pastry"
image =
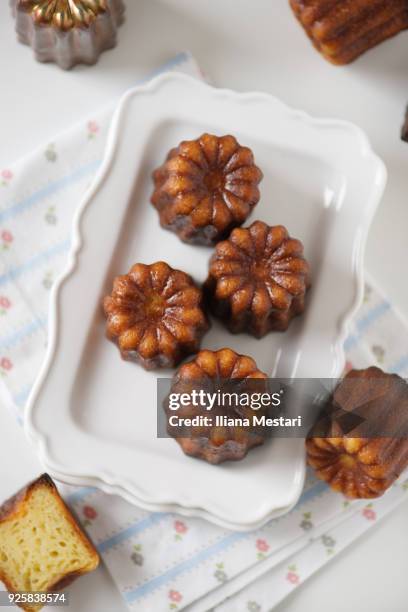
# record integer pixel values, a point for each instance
(42, 547)
(342, 31)
(68, 32)
(362, 460)
(205, 188)
(155, 315)
(258, 279)
(223, 372)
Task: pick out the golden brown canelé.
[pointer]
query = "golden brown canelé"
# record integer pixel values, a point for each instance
(363, 459)
(155, 315)
(342, 31)
(257, 279)
(205, 188)
(221, 371)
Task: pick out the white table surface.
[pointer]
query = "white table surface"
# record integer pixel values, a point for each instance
(245, 45)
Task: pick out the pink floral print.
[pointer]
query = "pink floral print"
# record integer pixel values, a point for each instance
(369, 513)
(6, 176)
(5, 304)
(262, 547)
(93, 129)
(6, 238)
(292, 576)
(175, 598)
(6, 364)
(180, 528)
(90, 515)
(90, 512)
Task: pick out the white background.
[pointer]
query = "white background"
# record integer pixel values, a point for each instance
(244, 45)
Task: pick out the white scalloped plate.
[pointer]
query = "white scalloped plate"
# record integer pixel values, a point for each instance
(91, 416)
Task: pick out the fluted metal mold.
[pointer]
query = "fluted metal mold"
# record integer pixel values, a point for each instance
(68, 32)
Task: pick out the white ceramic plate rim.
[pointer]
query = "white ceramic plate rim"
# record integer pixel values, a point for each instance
(103, 481)
(111, 489)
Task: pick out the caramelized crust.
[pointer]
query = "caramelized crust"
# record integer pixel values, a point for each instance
(205, 188)
(155, 315)
(258, 279)
(214, 371)
(42, 547)
(360, 464)
(342, 31)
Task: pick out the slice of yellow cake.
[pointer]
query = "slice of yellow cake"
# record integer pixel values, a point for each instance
(42, 547)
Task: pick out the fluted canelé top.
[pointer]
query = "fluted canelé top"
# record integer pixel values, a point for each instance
(206, 187)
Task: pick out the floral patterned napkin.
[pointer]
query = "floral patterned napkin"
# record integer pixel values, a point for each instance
(161, 561)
